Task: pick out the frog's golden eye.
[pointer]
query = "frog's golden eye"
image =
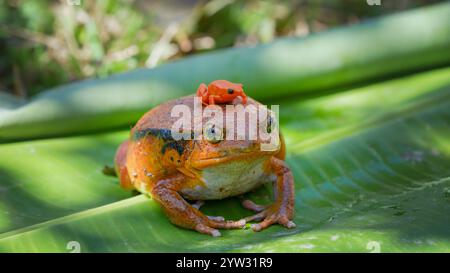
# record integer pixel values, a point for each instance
(230, 91)
(213, 133)
(269, 123)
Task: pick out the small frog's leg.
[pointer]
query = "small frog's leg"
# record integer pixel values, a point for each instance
(244, 98)
(202, 92)
(211, 100)
(183, 214)
(282, 210)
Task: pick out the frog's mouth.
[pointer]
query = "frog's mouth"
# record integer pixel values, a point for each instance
(194, 168)
(203, 163)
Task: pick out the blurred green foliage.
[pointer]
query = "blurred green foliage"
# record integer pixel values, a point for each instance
(46, 43)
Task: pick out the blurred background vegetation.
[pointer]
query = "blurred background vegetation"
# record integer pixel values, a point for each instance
(46, 43)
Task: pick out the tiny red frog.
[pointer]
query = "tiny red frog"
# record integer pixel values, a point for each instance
(221, 91)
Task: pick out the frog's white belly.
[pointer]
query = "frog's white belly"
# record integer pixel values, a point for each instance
(229, 179)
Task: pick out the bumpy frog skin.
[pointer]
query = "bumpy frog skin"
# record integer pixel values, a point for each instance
(172, 172)
(221, 91)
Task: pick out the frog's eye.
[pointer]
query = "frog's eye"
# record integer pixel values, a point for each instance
(230, 91)
(270, 125)
(212, 133)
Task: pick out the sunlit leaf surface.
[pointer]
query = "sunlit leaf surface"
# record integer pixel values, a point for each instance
(371, 165)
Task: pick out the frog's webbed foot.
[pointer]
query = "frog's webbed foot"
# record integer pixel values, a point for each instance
(269, 213)
(282, 210)
(183, 214)
(272, 215)
(210, 224)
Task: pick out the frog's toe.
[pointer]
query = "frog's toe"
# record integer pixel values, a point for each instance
(290, 224)
(255, 217)
(264, 224)
(216, 218)
(270, 217)
(207, 230)
(284, 221)
(250, 205)
(228, 224)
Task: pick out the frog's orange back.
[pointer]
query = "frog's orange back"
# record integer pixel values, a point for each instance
(221, 91)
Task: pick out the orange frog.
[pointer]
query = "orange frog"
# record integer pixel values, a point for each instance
(174, 172)
(221, 91)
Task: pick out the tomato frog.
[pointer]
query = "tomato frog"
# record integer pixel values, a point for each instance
(181, 174)
(221, 91)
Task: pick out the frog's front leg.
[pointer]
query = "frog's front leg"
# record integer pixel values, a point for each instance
(212, 99)
(282, 210)
(183, 214)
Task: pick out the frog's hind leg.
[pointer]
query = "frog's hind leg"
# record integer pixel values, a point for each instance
(120, 161)
(202, 92)
(183, 214)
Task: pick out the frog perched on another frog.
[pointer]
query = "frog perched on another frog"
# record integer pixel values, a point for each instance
(221, 91)
(174, 171)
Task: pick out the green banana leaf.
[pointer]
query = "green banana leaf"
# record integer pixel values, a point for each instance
(371, 167)
(391, 45)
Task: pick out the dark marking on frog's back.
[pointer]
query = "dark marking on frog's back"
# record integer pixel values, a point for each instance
(164, 134)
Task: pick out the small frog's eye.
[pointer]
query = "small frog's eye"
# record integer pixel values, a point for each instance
(212, 133)
(230, 91)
